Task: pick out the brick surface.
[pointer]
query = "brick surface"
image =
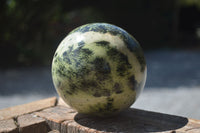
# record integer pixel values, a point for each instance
(27, 108)
(64, 126)
(8, 126)
(132, 120)
(56, 115)
(54, 131)
(74, 127)
(66, 120)
(62, 119)
(30, 123)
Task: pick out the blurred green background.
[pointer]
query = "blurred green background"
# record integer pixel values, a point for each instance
(30, 30)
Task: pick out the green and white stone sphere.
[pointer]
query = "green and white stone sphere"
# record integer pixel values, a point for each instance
(99, 69)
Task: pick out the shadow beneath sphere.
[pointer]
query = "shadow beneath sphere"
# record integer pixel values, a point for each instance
(133, 120)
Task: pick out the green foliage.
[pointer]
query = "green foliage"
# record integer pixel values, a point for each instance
(30, 30)
(190, 3)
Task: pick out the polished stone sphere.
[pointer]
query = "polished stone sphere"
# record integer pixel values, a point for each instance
(99, 69)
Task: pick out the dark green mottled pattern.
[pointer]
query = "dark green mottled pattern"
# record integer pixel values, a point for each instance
(133, 83)
(130, 42)
(104, 109)
(136, 49)
(117, 88)
(76, 69)
(115, 55)
(102, 68)
(102, 43)
(122, 61)
(79, 65)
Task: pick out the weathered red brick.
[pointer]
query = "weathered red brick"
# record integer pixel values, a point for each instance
(30, 123)
(56, 115)
(8, 126)
(54, 131)
(14, 111)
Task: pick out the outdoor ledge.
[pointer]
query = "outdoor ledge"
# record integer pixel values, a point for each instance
(54, 116)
